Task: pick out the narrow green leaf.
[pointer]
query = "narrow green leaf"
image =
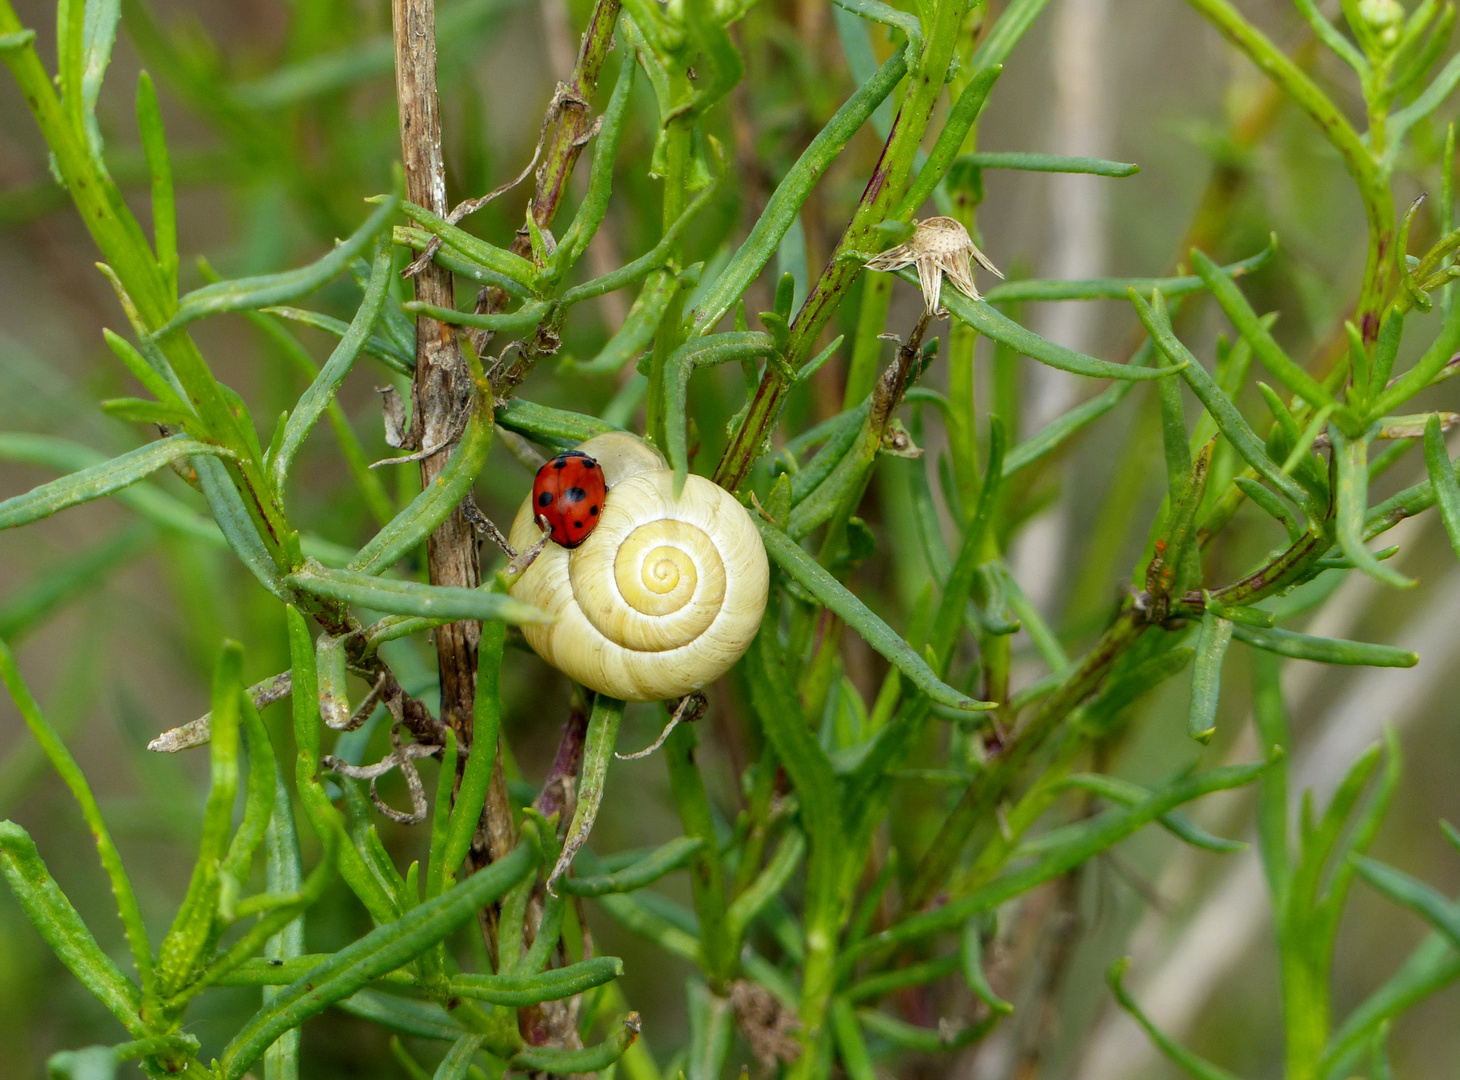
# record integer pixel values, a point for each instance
(785, 202)
(1051, 163)
(159, 166)
(997, 327)
(284, 873)
(1442, 478)
(555, 984)
(1117, 288)
(59, 925)
(498, 260)
(603, 725)
(1176, 823)
(639, 327)
(1407, 891)
(1323, 650)
(637, 875)
(1192, 1064)
(100, 480)
(695, 353)
(838, 599)
(414, 598)
(1228, 420)
(383, 949)
(457, 1061)
(1091, 838)
(767, 884)
(435, 504)
(519, 323)
(588, 1060)
(961, 118)
(1206, 676)
(65, 765)
(1249, 325)
(851, 1047)
(383, 348)
(540, 422)
(269, 289)
(970, 957)
(1351, 458)
(322, 390)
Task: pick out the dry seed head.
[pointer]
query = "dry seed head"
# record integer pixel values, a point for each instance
(939, 245)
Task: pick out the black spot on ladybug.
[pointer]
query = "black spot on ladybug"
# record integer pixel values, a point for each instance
(575, 494)
(576, 524)
(593, 510)
(560, 462)
(545, 499)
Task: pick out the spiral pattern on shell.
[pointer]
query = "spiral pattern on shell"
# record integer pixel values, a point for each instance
(662, 597)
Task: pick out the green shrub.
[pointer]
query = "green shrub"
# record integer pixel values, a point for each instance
(898, 793)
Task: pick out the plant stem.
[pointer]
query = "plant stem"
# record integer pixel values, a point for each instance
(887, 182)
(441, 388)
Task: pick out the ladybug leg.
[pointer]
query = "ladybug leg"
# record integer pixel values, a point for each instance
(484, 525)
(518, 566)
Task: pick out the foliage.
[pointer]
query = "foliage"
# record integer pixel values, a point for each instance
(843, 889)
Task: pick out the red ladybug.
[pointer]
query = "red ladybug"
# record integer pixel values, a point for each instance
(568, 493)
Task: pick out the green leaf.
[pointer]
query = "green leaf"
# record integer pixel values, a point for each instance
(1051, 163)
(700, 352)
(1442, 478)
(541, 422)
(554, 984)
(1086, 841)
(435, 504)
(1323, 650)
(639, 327)
(795, 187)
(457, 1062)
(989, 322)
(423, 1019)
(496, 259)
(970, 957)
(322, 390)
(382, 950)
(100, 480)
(851, 1047)
(637, 875)
(1206, 676)
(59, 925)
(65, 765)
(1127, 794)
(1036, 289)
(1351, 459)
(767, 885)
(841, 601)
(598, 745)
(1249, 325)
(961, 118)
(1190, 1063)
(414, 598)
(159, 166)
(1228, 420)
(270, 289)
(1407, 891)
(193, 930)
(588, 1060)
(383, 349)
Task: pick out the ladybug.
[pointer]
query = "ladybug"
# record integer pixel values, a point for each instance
(568, 494)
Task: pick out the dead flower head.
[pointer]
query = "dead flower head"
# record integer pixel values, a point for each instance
(939, 246)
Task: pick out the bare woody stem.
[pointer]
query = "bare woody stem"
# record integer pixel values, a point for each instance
(441, 386)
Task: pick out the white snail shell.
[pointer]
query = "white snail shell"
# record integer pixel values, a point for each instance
(662, 597)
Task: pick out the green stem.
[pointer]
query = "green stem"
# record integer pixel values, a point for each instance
(707, 876)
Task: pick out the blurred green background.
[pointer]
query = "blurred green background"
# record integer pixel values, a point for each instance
(281, 117)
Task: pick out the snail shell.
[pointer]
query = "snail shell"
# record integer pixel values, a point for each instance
(662, 597)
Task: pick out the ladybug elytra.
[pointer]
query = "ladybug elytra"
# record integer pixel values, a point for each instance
(568, 494)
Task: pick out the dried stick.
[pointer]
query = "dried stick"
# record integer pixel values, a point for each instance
(441, 387)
